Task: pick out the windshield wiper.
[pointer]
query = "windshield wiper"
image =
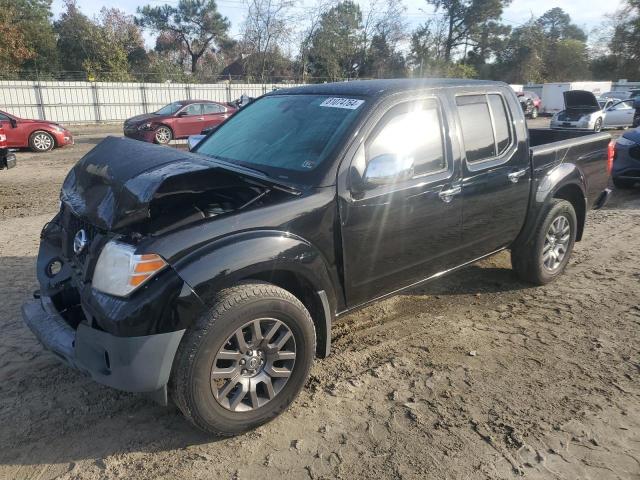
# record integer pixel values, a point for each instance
(228, 161)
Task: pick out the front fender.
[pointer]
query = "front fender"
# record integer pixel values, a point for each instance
(254, 254)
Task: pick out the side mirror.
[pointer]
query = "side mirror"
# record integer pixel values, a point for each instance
(194, 140)
(13, 122)
(387, 169)
(182, 113)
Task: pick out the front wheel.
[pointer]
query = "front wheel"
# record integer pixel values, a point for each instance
(544, 258)
(41, 141)
(245, 360)
(163, 135)
(598, 125)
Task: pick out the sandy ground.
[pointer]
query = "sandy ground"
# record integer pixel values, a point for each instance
(552, 391)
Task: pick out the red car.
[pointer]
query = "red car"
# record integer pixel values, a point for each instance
(38, 135)
(535, 99)
(177, 120)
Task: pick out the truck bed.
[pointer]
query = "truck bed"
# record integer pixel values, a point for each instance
(587, 150)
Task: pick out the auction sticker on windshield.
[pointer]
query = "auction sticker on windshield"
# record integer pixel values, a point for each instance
(349, 103)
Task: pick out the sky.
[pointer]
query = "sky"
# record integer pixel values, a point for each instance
(587, 14)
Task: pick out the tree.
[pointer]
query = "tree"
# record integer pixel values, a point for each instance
(121, 29)
(14, 49)
(196, 25)
(557, 25)
(32, 21)
(335, 47)
(90, 47)
(383, 30)
(463, 17)
(266, 30)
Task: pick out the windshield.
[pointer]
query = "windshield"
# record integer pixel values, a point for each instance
(284, 136)
(169, 109)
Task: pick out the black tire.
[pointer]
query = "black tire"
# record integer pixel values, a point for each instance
(597, 127)
(623, 183)
(163, 135)
(191, 385)
(528, 259)
(41, 141)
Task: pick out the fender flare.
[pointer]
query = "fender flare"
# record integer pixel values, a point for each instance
(565, 175)
(281, 258)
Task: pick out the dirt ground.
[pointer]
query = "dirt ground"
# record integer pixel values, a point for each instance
(551, 390)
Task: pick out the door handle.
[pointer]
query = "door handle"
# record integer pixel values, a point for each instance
(515, 176)
(200, 118)
(447, 195)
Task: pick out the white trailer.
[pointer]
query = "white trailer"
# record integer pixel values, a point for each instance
(553, 100)
(516, 88)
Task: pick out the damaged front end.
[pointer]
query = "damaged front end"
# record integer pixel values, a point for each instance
(106, 305)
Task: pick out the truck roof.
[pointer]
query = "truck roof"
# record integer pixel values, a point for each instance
(380, 88)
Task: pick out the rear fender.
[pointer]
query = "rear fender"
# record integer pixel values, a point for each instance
(277, 257)
(563, 181)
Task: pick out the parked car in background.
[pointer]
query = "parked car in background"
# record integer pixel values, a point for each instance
(213, 278)
(177, 120)
(584, 112)
(7, 158)
(536, 103)
(626, 160)
(38, 135)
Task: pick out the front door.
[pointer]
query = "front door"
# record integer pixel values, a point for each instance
(190, 121)
(496, 173)
(400, 231)
(619, 114)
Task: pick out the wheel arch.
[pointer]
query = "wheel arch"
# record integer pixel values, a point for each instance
(280, 258)
(573, 194)
(44, 130)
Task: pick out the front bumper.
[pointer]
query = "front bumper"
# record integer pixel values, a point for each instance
(132, 364)
(63, 138)
(560, 125)
(143, 135)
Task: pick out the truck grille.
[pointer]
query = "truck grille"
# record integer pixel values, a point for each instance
(71, 225)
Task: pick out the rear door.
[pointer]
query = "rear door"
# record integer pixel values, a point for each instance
(496, 172)
(214, 114)
(397, 234)
(15, 136)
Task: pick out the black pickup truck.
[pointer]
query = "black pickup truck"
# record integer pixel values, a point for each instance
(213, 277)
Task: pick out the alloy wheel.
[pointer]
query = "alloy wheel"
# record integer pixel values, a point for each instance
(556, 243)
(253, 365)
(42, 142)
(163, 135)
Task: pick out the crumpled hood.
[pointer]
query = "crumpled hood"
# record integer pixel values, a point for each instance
(113, 185)
(580, 99)
(145, 117)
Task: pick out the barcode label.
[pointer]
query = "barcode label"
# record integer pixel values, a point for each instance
(348, 103)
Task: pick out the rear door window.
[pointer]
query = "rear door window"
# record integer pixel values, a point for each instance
(486, 128)
(212, 108)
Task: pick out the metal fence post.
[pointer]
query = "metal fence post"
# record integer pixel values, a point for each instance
(187, 89)
(96, 101)
(229, 99)
(143, 97)
(39, 100)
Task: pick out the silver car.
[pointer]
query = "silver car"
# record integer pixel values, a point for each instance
(583, 112)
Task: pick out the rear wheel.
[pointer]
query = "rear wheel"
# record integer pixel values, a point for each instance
(163, 135)
(41, 141)
(244, 361)
(545, 256)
